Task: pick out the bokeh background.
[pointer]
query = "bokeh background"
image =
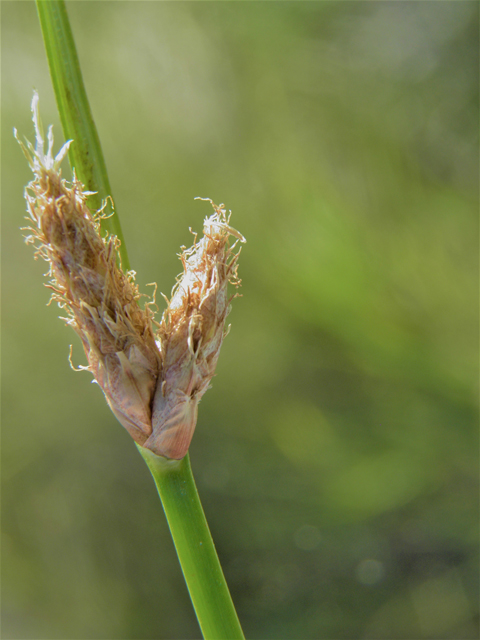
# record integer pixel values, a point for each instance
(337, 453)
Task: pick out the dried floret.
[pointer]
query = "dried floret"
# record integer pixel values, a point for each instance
(191, 334)
(88, 283)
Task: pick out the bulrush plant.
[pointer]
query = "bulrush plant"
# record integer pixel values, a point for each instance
(153, 373)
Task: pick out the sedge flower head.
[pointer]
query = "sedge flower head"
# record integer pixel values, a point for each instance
(191, 333)
(100, 300)
(152, 382)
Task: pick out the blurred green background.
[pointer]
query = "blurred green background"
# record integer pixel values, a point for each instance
(337, 453)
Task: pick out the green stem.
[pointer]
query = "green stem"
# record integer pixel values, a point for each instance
(198, 558)
(174, 480)
(85, 154)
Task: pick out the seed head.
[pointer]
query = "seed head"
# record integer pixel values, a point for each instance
(191, 334)
(153, 384)
(88, 283)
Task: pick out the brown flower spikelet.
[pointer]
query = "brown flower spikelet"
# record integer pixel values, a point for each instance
(87, 281)
(191, 334)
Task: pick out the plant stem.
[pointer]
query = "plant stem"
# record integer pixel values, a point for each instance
(194, 544)
(174, 480)
(85, 154)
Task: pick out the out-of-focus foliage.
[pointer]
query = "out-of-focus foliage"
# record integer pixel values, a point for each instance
(336, 454)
